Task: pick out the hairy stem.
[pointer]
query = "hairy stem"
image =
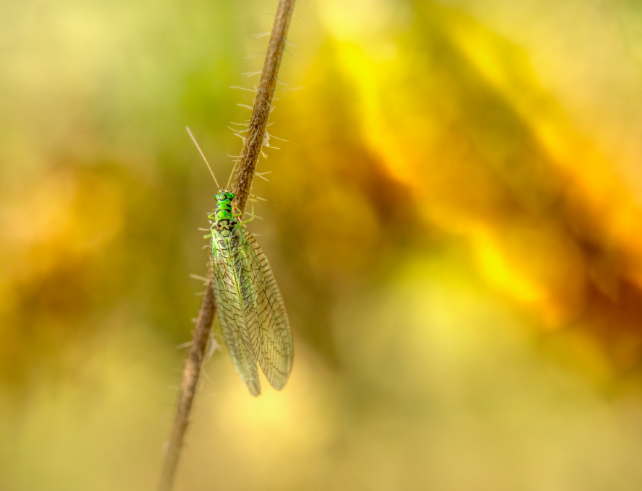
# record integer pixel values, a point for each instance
(262, 105)
(189, 382)
(241, 188)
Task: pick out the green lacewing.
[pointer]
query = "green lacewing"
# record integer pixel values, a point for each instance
(251, 311)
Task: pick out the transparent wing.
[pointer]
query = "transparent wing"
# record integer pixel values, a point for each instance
(235, 303)
(276, 349)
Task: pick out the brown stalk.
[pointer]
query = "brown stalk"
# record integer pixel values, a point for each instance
(262, 104)
(241, 188)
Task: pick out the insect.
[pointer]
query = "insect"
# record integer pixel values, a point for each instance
(253, 318)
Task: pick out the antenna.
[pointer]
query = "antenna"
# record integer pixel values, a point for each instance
(202, 155)
(232, 173)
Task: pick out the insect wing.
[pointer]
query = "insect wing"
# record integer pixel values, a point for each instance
(276, 349)
(236, 306)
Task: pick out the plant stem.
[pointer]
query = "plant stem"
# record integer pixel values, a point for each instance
(241, 188)
(262, 104)
(189, 382)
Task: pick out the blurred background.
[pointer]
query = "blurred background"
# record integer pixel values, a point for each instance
(454, 221)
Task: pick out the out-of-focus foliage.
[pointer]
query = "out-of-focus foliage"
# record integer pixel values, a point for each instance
(454, 222)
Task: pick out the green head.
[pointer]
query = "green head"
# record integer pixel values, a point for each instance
(224, 194)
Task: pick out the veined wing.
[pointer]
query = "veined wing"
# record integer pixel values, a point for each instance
(236, 305)
(276, 349)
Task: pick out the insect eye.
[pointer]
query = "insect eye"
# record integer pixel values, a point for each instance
(230, 195)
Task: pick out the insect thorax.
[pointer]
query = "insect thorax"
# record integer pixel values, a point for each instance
(223, 218)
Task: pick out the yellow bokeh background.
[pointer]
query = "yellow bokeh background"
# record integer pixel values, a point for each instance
(454, 221)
